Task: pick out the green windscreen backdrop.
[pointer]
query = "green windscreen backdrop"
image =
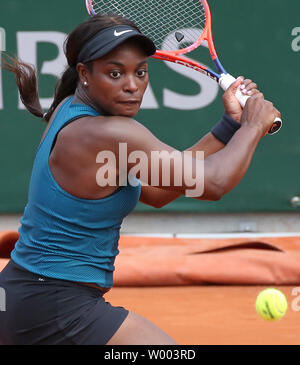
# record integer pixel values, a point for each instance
(257, 39)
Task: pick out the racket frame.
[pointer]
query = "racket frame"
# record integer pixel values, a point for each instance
(223, 78)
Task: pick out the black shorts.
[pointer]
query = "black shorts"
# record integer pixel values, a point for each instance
(46, 311)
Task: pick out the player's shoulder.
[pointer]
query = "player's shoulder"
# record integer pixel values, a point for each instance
(113, 121)
(104, 131)
(114, 126)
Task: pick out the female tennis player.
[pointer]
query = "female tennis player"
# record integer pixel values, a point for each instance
(63, 262)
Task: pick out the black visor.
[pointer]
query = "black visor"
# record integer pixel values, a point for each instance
(109, 38)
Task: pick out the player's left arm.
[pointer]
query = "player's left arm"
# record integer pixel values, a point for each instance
(158, 198)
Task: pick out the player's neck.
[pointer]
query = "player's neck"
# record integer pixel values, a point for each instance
(81, 97)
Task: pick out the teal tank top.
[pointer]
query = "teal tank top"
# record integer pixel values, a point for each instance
(63, 236)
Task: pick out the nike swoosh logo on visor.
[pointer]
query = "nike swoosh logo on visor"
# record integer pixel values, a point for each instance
(117, 34)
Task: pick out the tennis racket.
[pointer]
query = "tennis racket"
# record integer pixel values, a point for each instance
(176, 27)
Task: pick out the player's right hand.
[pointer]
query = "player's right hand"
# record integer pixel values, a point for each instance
(259, 113)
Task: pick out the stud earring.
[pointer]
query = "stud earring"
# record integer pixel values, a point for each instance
(85, 83)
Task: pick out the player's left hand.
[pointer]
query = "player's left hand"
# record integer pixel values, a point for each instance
(231, 104)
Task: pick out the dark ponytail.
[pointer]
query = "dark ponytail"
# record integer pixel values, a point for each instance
(26, 81)
(65, 87)
(26, 77)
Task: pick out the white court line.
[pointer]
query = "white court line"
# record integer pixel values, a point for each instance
(162, 235)
(215, 235)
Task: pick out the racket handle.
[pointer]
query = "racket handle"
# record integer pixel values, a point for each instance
(226, 80)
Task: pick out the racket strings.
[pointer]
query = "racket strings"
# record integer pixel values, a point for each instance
(160, 19)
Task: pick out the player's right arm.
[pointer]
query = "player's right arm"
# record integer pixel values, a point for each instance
(222, 170)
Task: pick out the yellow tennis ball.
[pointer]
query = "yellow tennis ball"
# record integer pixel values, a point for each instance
(271, 304)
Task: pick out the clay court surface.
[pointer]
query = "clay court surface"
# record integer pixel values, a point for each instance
(211, 315)
(203, 291)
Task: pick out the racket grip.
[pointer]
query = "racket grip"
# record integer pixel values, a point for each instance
(226, 80)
